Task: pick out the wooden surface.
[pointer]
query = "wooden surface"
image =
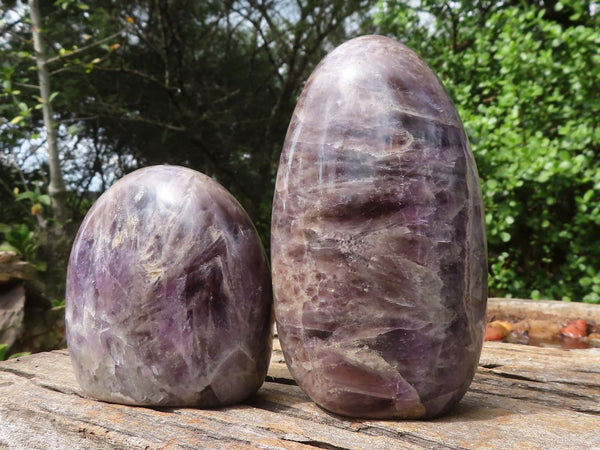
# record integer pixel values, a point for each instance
(522, 397)
(563, 312)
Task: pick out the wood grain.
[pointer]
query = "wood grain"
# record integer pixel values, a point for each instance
(563, 312)
(522, 397)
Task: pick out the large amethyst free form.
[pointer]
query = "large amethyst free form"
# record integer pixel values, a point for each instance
(378, 238)
(168, 294)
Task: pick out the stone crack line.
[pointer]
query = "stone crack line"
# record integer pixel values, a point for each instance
(17, 372)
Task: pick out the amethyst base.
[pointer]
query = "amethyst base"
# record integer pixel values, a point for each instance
(168, 294)
(378, 239)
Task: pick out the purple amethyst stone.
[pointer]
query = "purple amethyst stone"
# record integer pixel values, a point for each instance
(168, 294)
(378, 238)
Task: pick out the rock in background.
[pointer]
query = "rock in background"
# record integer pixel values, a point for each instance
(28, 321)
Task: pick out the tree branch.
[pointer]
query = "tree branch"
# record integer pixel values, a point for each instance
(85, 48)
(155, 123)
(9, 26)
(136, 73)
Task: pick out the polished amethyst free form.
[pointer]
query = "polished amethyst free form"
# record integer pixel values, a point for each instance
(168, 294)
(378, 240)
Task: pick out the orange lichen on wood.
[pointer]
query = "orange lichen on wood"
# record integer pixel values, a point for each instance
(575, 329)
(497, 330)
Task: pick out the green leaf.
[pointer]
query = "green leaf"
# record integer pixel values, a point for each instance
(19, 355)
(57, 302)
(544, 176)
(27, 195)
(45, 199)
(491, 184)
(565, 165)
(3, 349)
(53, 96)
(16, 120)
(588, 196)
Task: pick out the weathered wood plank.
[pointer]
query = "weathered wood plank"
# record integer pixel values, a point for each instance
(522, 397)
(543, 309)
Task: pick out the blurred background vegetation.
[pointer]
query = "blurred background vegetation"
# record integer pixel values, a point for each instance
(212, 84)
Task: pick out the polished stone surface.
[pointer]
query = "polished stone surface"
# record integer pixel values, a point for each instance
(168, 294)
(378, 239)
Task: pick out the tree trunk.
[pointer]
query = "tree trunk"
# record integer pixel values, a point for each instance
(56, 187)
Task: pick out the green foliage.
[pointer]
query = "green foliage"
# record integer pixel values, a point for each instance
(22, 236)
(57, 302)
(210, 85)
(524, 78)
(4, 349)
(18, 355)
(64, 4)
(23, 240)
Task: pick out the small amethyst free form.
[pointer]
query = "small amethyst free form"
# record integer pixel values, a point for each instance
(168, 294)
(378, 239)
